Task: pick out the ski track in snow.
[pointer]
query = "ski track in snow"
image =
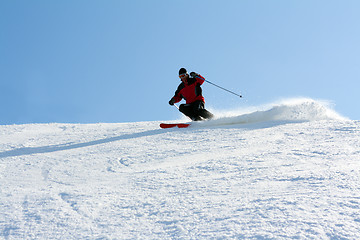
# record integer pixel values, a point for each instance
(290, 171)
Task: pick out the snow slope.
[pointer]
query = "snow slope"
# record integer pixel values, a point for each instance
(291, 171)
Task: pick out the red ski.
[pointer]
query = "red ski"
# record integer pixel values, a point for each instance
(171, 125)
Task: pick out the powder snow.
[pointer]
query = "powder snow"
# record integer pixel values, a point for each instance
(289, 170)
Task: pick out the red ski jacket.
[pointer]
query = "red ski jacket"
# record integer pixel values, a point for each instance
(191, 90)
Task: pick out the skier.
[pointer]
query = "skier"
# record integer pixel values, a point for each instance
(191, 91)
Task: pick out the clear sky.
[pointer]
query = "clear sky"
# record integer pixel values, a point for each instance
(87, 61)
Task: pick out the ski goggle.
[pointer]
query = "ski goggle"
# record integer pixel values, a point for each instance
(182, 75)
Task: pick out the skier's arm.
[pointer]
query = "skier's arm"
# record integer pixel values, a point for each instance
(200, 79)
(177, 97)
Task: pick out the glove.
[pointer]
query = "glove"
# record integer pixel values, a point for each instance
(172, 101)
(193, 74)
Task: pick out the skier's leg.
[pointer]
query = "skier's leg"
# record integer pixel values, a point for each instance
(202, 112)
(206, 114)
(187, 109)
(197, 108)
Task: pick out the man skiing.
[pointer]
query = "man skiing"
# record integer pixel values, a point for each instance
(190, 90)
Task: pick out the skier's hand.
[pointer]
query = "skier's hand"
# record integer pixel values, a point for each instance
(193, 74)
(172, 101)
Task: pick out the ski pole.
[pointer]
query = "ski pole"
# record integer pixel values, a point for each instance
(224, 89)
(176, 107)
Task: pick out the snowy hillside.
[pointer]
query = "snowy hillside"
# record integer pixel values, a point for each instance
(288, 171)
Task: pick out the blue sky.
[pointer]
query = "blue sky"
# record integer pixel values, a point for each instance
(85, 61)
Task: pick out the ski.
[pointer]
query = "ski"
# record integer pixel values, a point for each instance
(171, 125)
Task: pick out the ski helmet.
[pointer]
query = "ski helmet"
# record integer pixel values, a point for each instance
(182, 71)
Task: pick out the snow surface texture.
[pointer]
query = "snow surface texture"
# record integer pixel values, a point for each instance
(291, 171)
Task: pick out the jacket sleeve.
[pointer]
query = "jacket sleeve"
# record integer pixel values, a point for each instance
(200, 79)
(178, 97)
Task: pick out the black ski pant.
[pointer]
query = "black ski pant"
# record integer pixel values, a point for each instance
(196, 111)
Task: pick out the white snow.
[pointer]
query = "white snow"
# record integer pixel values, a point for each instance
(289, 171)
